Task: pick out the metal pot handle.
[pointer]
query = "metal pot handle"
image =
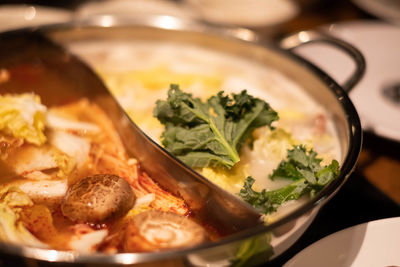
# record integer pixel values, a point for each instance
(304, 37)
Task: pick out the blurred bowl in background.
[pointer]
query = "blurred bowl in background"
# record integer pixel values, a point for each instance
(134, 7)
(18, 16)
(250, 13)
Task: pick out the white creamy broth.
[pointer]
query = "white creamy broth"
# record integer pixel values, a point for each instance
(237, 73)
(139, 73)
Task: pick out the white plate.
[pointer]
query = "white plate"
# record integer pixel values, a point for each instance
(17, 16)
(375, 243)
(380, 44)
(385, 9)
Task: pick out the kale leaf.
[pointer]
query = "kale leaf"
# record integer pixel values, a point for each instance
(254, 251)
(301, 166)
(210, 133)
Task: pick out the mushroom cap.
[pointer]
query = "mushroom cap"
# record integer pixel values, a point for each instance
(97, 198)
(158, 230)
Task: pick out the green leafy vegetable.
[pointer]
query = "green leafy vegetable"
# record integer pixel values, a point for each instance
(22, 116)
(254, 251)
(210, 133)
(301, 166)
(268, 201)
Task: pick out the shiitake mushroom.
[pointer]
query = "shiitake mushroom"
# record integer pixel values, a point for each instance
(158, 230)
(97, 198)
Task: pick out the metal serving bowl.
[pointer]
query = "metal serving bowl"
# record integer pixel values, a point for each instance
(235, 41)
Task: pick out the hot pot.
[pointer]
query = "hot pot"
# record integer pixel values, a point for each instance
(236, 41)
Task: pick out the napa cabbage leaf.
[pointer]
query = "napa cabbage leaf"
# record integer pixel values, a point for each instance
(12, 230)
(23, 116)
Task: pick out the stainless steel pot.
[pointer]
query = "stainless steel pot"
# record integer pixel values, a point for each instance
(247, 44)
